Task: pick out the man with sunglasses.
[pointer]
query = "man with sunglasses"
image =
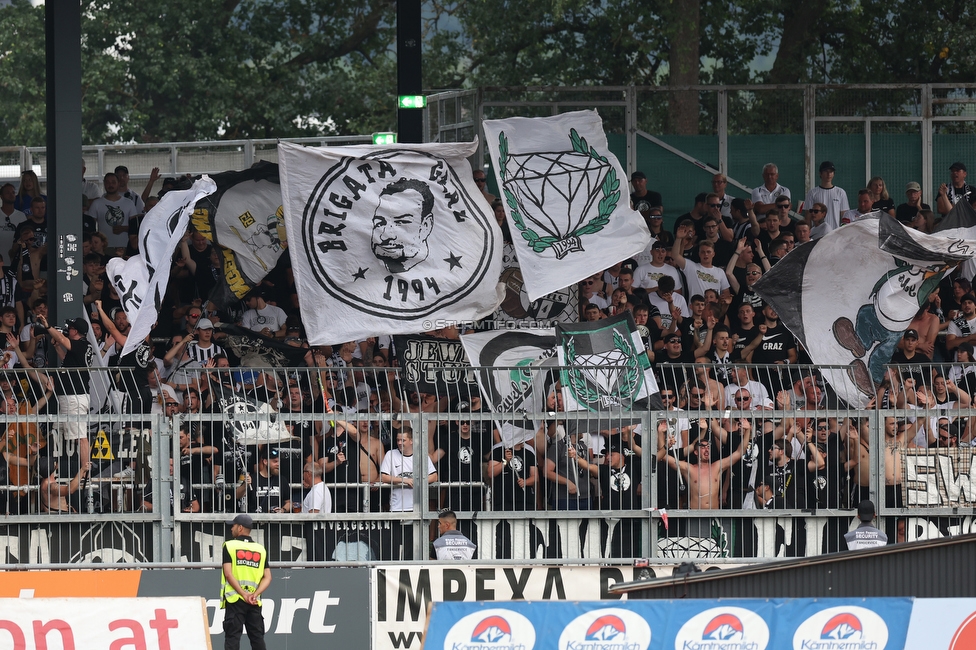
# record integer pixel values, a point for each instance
(481, 180)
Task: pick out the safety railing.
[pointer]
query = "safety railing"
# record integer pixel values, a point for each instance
(705, 473)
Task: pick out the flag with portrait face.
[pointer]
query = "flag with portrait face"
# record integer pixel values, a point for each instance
(565, 198)
(142, 279)
(388, 239)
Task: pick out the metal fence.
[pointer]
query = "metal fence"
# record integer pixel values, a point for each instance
(900, 132)
(759, 462)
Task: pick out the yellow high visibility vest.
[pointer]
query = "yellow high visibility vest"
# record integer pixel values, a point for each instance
(248, 562)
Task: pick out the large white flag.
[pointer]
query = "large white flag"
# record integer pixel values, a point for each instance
(141, 280)
(565, 196)
(851, 323)
(388, 239)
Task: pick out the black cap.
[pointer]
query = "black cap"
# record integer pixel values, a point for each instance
(638, 174)
(958, 166)
(865, 510)
(911, 334)
(970, 297)
(271, 452)
(80, 325)
(827, 166)
(243, 520)
(672, 337)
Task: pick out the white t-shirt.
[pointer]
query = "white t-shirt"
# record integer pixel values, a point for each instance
(271, 317)
(836, 201)
(698, 279)
(318, 498)
(8, 228)
(647, 275)
(396, 464)
(134, 196)
(112, 216)
(662, 307)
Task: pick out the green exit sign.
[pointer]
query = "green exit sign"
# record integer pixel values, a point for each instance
(384, 138)
(411, 101)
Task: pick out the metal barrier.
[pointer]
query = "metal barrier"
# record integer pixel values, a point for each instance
(765, 465)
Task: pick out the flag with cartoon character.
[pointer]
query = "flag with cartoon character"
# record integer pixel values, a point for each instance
(243, 220)
(388, 239)
(565, 198)
(849, 296)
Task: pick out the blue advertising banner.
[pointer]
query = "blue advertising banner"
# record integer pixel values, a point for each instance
(746, 624)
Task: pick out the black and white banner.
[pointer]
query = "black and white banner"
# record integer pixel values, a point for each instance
(243, 219)
(605, 365)
(142, 279)
(855, 319)
(255, 350)
(565, 197)
(435, 366)
(388, 240)
(513, 376)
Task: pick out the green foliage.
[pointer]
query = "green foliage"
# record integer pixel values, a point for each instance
(205, 69)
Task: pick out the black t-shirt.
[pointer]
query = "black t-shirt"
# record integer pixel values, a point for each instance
(506, 493)
(77, 380)
(912, 367)
(462, 462)
(905, 213)
(344, 499)
(643, 204)
(618, 487)
(746, 336)
(823, 485)
(776, 343)
(883, 204)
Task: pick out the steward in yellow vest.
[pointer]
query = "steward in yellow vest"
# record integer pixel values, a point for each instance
(244, 578)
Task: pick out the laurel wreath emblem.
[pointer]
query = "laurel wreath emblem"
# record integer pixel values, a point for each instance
(610, 189)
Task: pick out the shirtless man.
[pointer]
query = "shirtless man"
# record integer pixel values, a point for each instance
(704, 478)
(895, 441)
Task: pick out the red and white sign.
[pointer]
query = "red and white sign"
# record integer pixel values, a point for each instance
(724, 628)
(103, 624)
(609, 627)
(492, 629)
(842, 628)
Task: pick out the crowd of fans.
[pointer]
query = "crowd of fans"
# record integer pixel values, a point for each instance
(691, 296)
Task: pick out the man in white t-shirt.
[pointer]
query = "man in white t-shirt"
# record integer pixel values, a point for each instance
(764, 196)
(669, 303)
(398, 470)
(263, 318)
(702, 275)
(647, 275)
(112, 212)
(831, 196)
(122, 173)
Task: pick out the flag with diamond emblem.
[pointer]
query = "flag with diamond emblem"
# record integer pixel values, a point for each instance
(565, 197)
(605, 365)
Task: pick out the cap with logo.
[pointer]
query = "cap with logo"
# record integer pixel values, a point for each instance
(827, 166)
(911, 334)
(913, 187)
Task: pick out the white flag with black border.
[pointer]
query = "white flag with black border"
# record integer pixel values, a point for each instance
(142, 279)
(565, 197)
(388, 239)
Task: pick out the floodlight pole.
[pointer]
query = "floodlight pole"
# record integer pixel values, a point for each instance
(410, 121)
(64, 188)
